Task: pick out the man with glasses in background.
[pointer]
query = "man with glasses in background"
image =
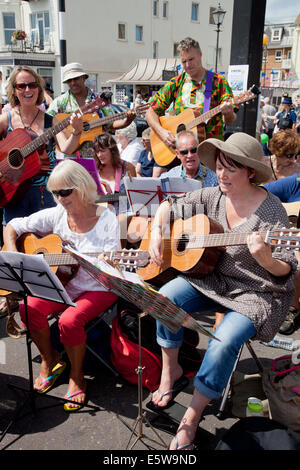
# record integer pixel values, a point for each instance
(77, 96)
(191, 167)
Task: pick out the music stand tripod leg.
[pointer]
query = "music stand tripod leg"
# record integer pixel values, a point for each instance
(23, 291)
(141, 418)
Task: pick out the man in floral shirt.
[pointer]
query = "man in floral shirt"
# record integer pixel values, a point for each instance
(77, 96)
(187, 91)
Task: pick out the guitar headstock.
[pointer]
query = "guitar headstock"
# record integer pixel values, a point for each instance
(131, 258)
(93, 105)
(248, 95)
(142, 108)
(286, 238)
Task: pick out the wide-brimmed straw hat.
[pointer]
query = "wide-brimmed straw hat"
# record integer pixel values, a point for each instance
(73, 70)
(242, 148)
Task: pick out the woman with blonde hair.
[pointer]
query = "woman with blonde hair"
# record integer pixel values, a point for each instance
(86, 227)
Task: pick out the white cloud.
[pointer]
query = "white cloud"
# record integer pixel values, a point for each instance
(278, 11)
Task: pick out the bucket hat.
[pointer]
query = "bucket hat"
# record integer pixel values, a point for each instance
(73, 70)
(241, 148)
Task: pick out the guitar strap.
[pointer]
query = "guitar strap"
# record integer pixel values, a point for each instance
(208, 90)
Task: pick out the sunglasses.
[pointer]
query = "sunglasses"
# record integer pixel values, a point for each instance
(23, 86)
(63, 192)
(291, 155)
(186, 151)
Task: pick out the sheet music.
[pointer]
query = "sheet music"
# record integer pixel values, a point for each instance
(34, 273)
(146, 194)
(131, 287)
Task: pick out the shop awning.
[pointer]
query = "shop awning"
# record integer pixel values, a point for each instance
(148, 72)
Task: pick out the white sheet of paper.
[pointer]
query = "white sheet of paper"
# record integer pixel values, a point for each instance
(143, 192)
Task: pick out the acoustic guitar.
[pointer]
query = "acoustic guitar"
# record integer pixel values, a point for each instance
(186, 120)
(92, 124)
(194, 245)
(22, 151)
(63, 264)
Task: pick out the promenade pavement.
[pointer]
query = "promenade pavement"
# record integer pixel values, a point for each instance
(108, 427)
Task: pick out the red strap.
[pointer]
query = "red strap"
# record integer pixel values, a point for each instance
(118, 179)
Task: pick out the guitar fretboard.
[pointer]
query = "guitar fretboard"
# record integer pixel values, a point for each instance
(45, 137)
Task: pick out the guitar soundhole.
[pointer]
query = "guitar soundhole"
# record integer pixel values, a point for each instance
(86, 126)
(15, 159)
(182, 242)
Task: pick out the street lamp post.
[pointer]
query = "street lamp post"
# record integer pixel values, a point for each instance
(218, 15)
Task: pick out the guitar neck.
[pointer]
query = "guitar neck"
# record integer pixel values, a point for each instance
(111, 118)
(45, 137)
(204, 117)
(125, 257)
(105, 120)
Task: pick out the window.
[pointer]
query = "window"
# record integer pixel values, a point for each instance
(155, 7)
(165, 10)
(175, 50)
(40, 28)
(47, 75)
(139, 33)
(211, 18)
(155, 49)
(122, 31)
(9, 24)
(278, 55)
(289, 54)
(195, 12)
(276, 34)
(275, 75)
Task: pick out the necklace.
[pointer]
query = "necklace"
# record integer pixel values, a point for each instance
(29, 127)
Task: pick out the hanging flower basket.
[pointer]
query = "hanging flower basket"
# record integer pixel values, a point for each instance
(18, 35)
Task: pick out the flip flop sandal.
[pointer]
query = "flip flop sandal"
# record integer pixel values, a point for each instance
(69, 406)
(13, 329)
(178, 386)
(183, 446)
(47, 383)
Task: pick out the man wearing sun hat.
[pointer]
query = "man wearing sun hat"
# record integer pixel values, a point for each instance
(76, 96)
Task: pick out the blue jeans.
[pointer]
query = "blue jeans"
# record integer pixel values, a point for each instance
(221, 355)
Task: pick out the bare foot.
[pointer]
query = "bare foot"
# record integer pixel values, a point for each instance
(168, 378)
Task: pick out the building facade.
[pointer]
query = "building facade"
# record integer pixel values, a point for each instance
(108, 37)
(280, 66)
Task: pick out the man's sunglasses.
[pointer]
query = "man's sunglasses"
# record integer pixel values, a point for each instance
(23, 86)
(186, 151)
(63, 192)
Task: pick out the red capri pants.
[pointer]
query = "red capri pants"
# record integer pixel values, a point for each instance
(73, 319)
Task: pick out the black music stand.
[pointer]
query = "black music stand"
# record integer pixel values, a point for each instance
(30, 275)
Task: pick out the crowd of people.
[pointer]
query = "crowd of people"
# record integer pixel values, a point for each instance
(253, 288)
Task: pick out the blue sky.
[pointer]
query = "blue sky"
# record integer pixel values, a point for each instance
(284, 11)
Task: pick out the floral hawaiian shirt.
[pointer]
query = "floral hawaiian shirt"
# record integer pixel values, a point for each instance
(183, 92)
(67, 103)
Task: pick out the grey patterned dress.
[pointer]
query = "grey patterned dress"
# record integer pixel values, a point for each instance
(238, 282)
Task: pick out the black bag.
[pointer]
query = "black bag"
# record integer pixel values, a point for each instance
(285, 122)
(258, 434)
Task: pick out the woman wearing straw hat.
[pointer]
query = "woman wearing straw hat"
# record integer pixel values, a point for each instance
(252, 283)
